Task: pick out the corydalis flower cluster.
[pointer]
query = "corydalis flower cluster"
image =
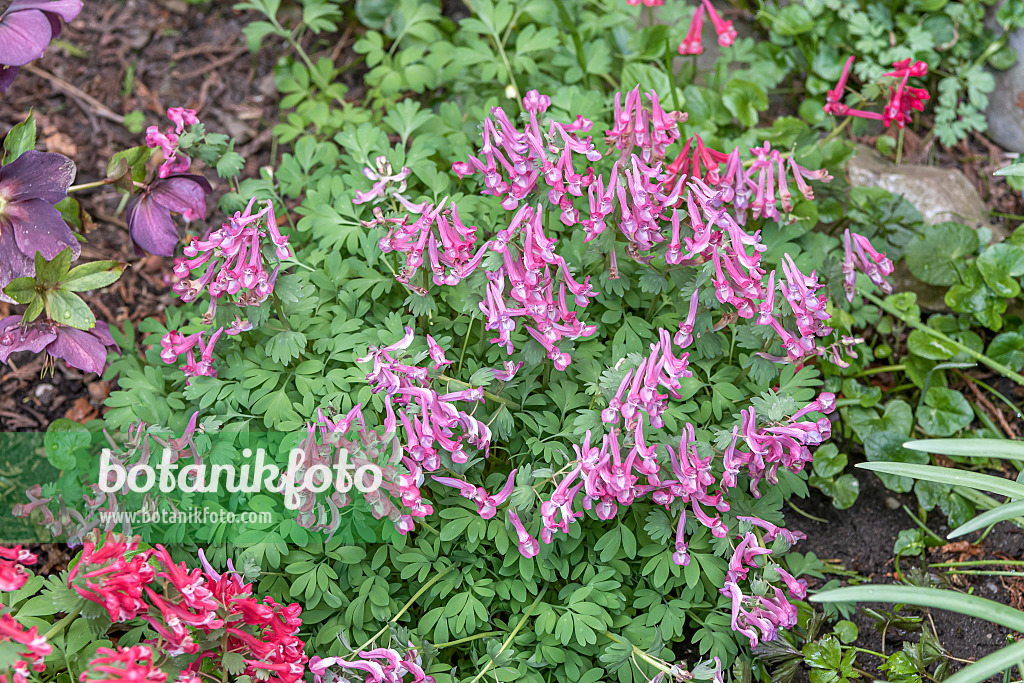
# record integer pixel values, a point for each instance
(13, 574)
(174, 344)
(860, 255)
(765, 609)
(230, 264)
(379, 665)
(175, 160)
(196, 612)
(903, 99)
(34, 648)
(431, 422)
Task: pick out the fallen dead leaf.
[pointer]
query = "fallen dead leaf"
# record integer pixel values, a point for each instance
(82, 411)
(59, 142)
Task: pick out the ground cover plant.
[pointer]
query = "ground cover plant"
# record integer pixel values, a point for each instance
(593, 311)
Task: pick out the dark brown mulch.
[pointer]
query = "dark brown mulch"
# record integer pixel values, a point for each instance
(138, 55)
(862, 538)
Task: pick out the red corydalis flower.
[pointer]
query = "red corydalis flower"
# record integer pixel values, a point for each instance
(726, 33)
(12, 574)
(904, 99)
(692, 44)
(36, 648)
(125, 664)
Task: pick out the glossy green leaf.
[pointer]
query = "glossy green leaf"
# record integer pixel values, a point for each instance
(946, 475)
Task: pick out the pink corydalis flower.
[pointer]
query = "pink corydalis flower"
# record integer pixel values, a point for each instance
(860, 255)
(904, 99)
(692, 43)
(437, 354)
(528, 545)
(173, 344)
(726, 33)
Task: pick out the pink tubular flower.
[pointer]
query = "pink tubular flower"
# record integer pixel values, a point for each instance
(175, 162)
(724, 29)
(528, 545)
(692, 43)
(860, 255)
(230, 264)
(173, 344)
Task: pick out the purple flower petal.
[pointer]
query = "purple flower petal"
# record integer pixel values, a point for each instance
(40, 227)
(14, 338)
(7, 76)
(23, 36)
(184, 194)
(37, 175)
(80, 349)
(151, 227)
(13, 263)
(67, 9)
(102, 332)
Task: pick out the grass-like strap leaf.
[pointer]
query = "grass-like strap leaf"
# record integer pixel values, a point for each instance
(961, 603)
(987, 666)
(971, 448)
(999, 514)
(946, 475)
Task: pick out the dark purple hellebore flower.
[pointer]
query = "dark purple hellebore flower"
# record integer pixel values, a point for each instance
(29, 187)
(85, 350)
(149, 214)
(26, 28)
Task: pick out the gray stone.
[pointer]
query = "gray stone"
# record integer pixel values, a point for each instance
(939, 194)
(1005, 116)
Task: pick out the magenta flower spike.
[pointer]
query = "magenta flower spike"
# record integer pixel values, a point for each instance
(26, 29)
(30, 186)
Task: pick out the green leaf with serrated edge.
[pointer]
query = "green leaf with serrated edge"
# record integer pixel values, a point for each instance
(20, 139)
(70, 309)
(93, 275)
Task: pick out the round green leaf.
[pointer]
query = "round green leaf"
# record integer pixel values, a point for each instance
(944, 413)
(932, 256)
(1008, 348)
(828, 461)
(999, 265)
(62, 439)
(929, 346)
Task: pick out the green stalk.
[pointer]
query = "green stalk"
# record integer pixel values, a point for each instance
(512, 405)
(657, 664)
(423, 589)
(918, 325)
(508, 641)
(59, 626)
(478, 636)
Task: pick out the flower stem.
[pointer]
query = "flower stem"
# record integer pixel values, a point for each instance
(512, 405)
(508, 641)
(899, 146)
(59, 626)
(656, 663)
(423, 589)
(918, 325)
(460, 641)
(836, 131)
(87, 186)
